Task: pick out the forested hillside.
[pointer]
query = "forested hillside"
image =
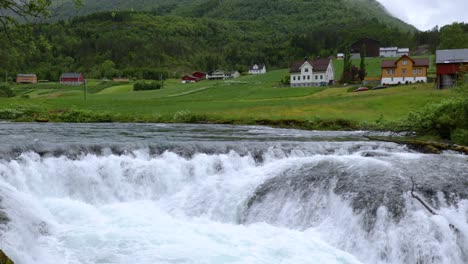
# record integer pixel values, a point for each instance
(130, 40)
(180, 36)
(312, 11)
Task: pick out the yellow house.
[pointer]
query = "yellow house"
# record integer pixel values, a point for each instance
(404, 70)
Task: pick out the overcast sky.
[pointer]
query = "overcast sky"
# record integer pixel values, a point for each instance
(426, 14)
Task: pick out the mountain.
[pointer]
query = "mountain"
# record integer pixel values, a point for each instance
(314, 11)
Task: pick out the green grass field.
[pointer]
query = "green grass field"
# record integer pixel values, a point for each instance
(242, 100)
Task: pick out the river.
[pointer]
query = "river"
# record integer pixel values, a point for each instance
(174, 193)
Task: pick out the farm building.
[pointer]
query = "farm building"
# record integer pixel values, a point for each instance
(257, 69)
(189, 79)
(393, 52)
(449, 63)
(26, 78)
(404, 70)
(403, 51)
(312, 73)
(72, 78)
(372, 48)
(199, 75)
(222, 75)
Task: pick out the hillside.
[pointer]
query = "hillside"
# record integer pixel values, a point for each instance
(180, 36)
(312, 12)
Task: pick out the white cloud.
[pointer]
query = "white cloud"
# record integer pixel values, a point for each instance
(426, 14)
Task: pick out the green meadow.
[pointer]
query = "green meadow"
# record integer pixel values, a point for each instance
(245, 100)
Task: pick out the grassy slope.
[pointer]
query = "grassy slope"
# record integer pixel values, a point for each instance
(244, 99)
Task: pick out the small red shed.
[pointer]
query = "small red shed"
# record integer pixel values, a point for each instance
(199, 75)
(72, 78)
(449, 63)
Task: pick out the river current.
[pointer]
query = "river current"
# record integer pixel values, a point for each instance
(173, 193)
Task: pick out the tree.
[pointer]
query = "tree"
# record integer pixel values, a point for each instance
(24, 9)
(362, 68)
(347, 75)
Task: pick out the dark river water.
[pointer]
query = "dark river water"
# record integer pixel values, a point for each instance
(176, 193)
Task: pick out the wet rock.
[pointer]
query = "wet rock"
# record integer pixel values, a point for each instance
(4, 259)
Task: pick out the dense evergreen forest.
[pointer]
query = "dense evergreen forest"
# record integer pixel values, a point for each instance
(180, 36)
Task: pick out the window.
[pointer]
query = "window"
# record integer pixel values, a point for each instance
(294, 78)
(308, 77)
(405, 62)
(306, 70)
(403, 71)
(316, 77)
(321, 77)
(303, 77)
(415, 71)
(420, 71)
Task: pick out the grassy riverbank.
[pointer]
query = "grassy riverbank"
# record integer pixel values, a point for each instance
(246, 100)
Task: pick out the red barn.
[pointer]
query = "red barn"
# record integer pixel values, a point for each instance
(199, 75)
(449, 63)
(372, 47)
(72, 78)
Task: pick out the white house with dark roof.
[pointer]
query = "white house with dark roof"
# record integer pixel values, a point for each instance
(312, 73)
(257, 69)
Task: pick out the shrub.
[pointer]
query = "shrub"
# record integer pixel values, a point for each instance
(82, 116)
(145, 86)
(188, 117)
(6, 91)
(442, 119)
(18, 112)
(460, 136)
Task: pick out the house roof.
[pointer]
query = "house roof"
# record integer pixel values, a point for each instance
(422, 62)
(389, 49)
(190, 77)
(319, 65)
(366, 40)
(452, 56)
(260, 66)
(70, 75)
(26, 75)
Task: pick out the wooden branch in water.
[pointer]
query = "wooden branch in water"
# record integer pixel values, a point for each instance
(421, 200)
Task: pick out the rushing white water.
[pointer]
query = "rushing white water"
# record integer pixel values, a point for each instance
(323, 202)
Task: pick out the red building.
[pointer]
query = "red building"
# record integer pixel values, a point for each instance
(72, 78)
(199, 75)
(449, 64)
(372, 47)
(189, 79)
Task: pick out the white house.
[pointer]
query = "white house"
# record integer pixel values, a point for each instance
(257, 69)
(222, 75)
(312, 73)
(388, 52)
(231, 75)
(340, 56)
(403, 51)
(393, 52)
